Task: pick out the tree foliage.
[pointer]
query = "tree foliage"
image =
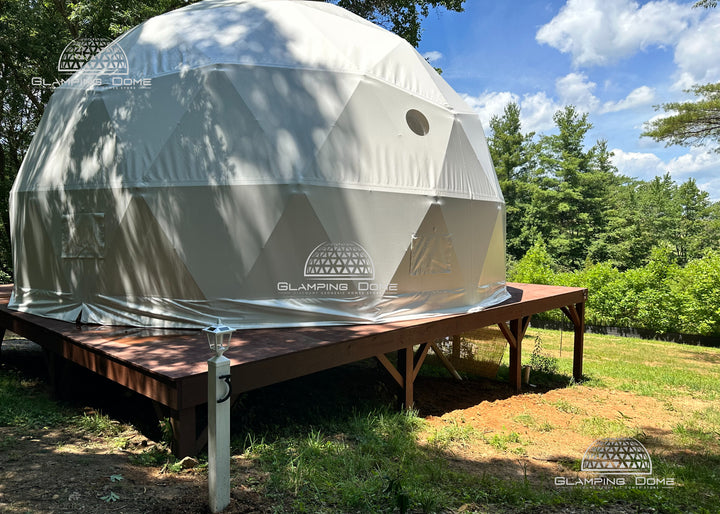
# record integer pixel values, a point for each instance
(556, 188)
(514, 156)
(403, 17)
(690, 123)
(567, 193)
(648, 251)
(578, 179)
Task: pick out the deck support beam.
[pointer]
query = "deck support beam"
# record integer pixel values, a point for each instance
(184, 426)
(408, 366)
(514, 332)
(576, 314)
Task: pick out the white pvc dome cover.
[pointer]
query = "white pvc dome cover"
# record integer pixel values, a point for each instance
(271, 163)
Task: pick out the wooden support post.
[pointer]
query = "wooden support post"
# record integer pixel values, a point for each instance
(391, 369)
(456, 343)
(576, 314)
(56, 366)
(448, 365)
(2, 337)
(515, 357)
(579, 343)
(419, 358)
(406, 367)
(514, 335)
(184, 432)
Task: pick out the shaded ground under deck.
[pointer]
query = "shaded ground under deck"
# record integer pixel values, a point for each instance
(170, 366)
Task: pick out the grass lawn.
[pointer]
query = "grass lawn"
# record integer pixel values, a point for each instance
(332, 442)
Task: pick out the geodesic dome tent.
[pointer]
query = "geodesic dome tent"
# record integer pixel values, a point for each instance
(271, 163)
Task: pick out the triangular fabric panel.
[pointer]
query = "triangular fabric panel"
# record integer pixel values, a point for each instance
(362, 216)
(41, 267)
(232, 227)
(403, 66)
(430, 263)
(493, 270)
(86, 158)
(335, 25)
(141, 261)
(294, 109)
(451, 97)
(135, 113)
(471, 225)
(476, 137)
(189, 41)
(44, 164)
(217, 141)
(462, 173)
(283, 257)
(371, 143)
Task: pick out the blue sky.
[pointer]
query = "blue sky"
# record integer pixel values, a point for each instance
(614, 59)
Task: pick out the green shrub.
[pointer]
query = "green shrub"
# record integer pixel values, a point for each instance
(697, 291)
(660, 296)
(536, 267)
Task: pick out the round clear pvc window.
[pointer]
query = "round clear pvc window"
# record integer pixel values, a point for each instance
(417, 122)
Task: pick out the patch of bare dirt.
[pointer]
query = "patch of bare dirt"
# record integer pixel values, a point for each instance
(54, 471)
(550, 430)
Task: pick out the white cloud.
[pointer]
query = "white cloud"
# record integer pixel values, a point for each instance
(696, 53)
(702, 164)
(644, 166)
(433, 56)
(490, 104)
(697, 160)
(536, 115)
(575, 89)
(536, 111)
(711, 184)
(642, 95)
(600, 32)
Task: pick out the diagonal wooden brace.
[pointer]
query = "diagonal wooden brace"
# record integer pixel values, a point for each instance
(391, 369)
(409, 365)
(445, 361)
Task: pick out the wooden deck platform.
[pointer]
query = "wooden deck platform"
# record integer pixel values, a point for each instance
(170, 366)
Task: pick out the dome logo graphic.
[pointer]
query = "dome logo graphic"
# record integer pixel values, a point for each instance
(339, 261)
(616, 462)
(96, 55)
(85, 61)
(617, 455)
(339, 270)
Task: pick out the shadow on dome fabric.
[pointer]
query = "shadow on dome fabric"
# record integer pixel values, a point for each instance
(271, 163)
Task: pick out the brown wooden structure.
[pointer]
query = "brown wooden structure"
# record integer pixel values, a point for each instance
(170, 366)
